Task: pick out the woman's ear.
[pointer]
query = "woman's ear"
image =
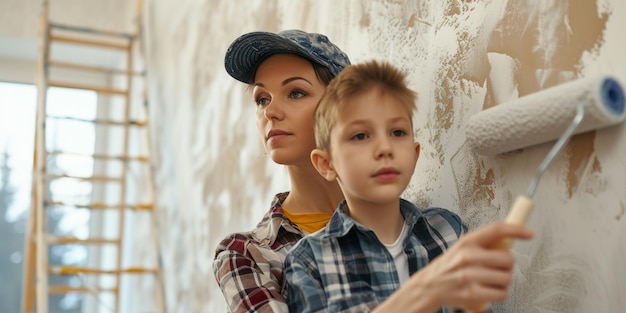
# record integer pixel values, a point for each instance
(321, 162)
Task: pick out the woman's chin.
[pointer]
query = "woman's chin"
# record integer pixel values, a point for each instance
(285, 159)
(278, 158)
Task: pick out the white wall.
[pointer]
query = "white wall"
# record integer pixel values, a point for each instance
(461, 56)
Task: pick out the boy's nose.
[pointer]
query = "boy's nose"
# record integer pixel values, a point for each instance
(383, 148)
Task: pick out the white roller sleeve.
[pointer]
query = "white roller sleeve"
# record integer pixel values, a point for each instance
(543, 116)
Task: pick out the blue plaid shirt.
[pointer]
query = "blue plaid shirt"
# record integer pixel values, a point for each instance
(345, 268)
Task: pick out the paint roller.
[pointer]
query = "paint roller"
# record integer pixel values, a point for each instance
(558, 112)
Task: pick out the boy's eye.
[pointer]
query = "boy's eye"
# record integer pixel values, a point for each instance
(297, 94)
(398, 133)
(359, 136)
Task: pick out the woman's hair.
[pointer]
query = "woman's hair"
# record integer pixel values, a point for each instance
(323, 73)
(353, 80)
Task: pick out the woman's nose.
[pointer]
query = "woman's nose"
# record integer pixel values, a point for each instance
(274, 111)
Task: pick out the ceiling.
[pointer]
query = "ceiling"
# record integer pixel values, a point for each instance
(20, 22)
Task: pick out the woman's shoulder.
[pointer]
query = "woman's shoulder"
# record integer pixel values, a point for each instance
(236, 242)
(263, 235)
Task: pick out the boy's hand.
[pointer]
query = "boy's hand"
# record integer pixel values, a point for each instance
(473, 272)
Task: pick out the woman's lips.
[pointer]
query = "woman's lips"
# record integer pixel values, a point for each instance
(276, 134)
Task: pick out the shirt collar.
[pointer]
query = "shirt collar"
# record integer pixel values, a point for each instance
(273, 221)
(340, 223)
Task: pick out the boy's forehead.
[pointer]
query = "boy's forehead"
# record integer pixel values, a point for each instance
(347, 111)
(367, 102)
(354, 112)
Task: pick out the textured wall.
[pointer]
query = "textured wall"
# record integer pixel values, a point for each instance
(462, 57)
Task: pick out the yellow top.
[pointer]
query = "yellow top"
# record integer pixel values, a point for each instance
(309, 222)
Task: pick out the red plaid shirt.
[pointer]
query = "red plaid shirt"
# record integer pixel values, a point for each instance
(249, 266)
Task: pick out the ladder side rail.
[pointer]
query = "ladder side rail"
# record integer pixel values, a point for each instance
(157, 259)
(41, 273)
(124, 170)
(154, 233)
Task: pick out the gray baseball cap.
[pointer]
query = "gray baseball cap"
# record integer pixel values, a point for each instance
(246, 53)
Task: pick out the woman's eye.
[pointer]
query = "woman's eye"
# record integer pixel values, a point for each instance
(297, 94)
(398, 133)
(262, 101)
(359, 136)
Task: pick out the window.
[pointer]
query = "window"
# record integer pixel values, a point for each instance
(17, 121)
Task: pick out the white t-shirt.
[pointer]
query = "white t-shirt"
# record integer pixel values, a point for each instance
(399, 258)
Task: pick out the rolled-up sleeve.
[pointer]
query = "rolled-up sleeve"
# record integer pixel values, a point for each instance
(246, 280)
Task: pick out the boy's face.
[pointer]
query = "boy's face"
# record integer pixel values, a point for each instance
(373, 154)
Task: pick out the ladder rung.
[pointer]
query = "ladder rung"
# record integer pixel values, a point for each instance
(88, 42)
(66, 289)
(74, 270)
(92, 178)
(87, 87)
(138, 123)
(102, 205)
(142, 206)
(139, 158)
(91, 68)
(90, 30)
(73, 240)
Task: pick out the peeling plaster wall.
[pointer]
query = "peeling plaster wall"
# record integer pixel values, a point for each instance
(462, 57)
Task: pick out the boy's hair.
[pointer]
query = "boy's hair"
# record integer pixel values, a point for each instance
(353, 80)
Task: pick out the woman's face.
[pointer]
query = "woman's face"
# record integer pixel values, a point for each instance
(286, 91)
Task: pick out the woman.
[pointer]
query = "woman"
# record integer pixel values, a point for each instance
(288, 72)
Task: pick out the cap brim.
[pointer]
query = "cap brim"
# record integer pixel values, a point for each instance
(247, 52)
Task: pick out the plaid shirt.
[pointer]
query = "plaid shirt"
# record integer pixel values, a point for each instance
(345, 268)
(249, 266)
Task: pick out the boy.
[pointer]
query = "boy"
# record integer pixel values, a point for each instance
(375, 240)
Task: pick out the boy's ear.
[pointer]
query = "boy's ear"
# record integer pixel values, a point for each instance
(417, 151)
(321, 162)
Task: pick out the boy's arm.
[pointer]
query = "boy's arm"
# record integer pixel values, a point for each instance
(305, 291)
(245, 286)
(471, 273)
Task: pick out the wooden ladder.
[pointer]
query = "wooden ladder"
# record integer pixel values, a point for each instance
(37, 270)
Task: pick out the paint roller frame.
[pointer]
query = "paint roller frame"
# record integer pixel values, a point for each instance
(543, 116)
(613, 99)
(523, 205)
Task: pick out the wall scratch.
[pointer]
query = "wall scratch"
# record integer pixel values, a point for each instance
(621, 212)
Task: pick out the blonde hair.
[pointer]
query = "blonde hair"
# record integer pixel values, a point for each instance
(350, 82)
